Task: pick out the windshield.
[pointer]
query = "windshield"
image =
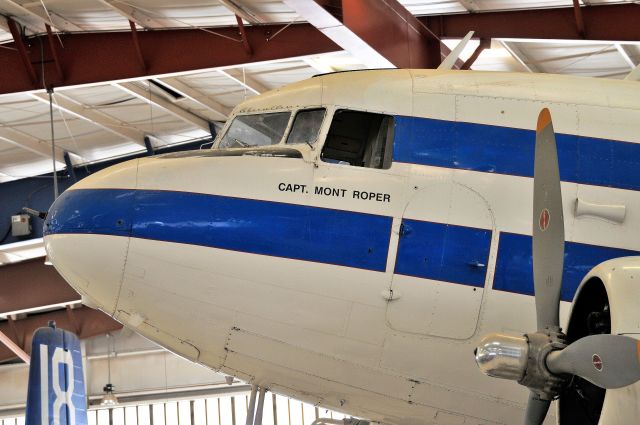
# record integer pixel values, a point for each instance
(256, 130)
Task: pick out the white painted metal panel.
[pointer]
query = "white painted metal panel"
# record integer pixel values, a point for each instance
(447, 310)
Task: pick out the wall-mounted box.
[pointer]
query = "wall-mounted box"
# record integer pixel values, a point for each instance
(20, 225)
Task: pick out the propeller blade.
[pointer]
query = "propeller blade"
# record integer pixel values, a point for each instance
(537, 409)
(608, 361)
(548, 225)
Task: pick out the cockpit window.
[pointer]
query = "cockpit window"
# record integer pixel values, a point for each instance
(256, 130)
(360, 139)
(306, 126)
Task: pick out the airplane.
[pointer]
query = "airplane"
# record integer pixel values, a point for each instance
(56, 391)
(352, 240)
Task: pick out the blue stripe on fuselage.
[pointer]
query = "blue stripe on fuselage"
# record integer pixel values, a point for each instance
(443, 252)
(426, 250)
(260, 227)
(505, 150)
(514, 267)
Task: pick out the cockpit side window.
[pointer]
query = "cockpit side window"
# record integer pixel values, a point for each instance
(360, 139)
(256, 130)
(306, 126)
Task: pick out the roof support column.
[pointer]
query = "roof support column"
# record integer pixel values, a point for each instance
(243, 34)
(22, 50)
(54, 52)
(577, 12)
(136, 45)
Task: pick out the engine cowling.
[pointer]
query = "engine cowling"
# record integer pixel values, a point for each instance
(607, 301)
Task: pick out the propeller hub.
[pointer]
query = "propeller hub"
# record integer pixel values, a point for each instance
(522, 359)
(537, 375)
(503, 356)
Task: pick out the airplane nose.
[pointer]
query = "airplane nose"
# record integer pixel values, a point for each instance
(87, 230)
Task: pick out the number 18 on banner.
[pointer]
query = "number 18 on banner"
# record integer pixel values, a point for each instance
(56, 393)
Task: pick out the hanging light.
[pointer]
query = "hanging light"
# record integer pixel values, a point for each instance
(109, 398)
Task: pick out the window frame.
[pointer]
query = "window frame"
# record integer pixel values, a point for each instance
(227, 127)
(319, 139)
(326, 128)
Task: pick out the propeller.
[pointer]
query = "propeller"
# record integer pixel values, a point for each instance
(537, 409)
(608, 361)
(542, 361)
(548, 226)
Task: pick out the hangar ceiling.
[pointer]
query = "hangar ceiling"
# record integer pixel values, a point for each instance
(110, 119)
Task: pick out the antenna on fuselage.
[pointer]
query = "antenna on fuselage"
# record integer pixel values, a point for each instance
(452, 57)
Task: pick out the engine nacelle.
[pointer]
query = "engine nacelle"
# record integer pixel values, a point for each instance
(607, 301)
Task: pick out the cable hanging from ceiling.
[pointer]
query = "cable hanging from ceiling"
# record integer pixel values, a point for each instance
(53, 139)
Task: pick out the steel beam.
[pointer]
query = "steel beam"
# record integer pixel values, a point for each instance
(97, 118)
(31, 284)
(54, 51)
(319, 67)
(245, 42)
(30, 143)
(381, 34)
(14, 348)
(243, 80)
(520, 57)
(470, 5)
(165, 52)
(26, 17)
(617, 22)
(241, 10)
(22, 50)
(634, 75)
(4, 24)
(91, 322)
(162, 103)
(35, 16)
(626, 55)
(577, 13)
(341, 34)
(484, 44)
(189, 92)
(393, 31)
(136, 44)
(50, 17)
(133, 14)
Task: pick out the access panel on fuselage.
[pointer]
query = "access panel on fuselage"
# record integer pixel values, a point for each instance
(442, 260)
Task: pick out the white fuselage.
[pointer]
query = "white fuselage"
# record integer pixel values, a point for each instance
(360, 289)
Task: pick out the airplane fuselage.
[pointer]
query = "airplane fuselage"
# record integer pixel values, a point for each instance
(350, 279)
